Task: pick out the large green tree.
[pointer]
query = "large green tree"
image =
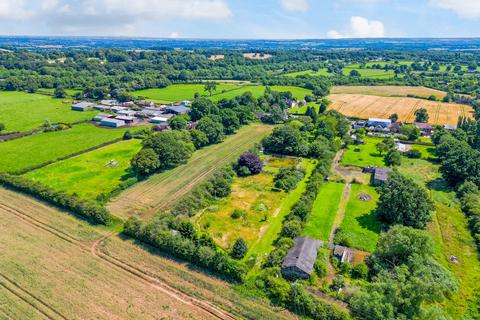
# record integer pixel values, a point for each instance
(402, 201)
(172, 147)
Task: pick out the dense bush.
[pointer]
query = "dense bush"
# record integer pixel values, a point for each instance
(413, 154)
(239, 249)
(249, 163)
(286, 140)
(87, 209)
(288, 178)
(216, 187)
(186, 248)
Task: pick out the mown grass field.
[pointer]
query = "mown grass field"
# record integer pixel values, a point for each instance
(179, 92)
(371, 106)
(360, 224)
(320, 221)
(449, 229)
(368, 155)
(90, 174)
(24, 111)
(321, 72)
(389, 91)
(161, 190)
(369, 73)
(89, 287)
(41, 148)
(255, 197)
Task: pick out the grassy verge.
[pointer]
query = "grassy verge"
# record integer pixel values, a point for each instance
(320, 221)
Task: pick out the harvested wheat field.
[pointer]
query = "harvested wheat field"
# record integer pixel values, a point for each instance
(162, 190)
(99, 275)
(257, 56)
(389, 91)
(369, 106)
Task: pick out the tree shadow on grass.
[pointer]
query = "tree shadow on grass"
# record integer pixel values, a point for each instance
(439, 184)
(370, 221)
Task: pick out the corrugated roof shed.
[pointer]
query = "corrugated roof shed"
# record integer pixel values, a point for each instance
(303, 254)
(382, 174)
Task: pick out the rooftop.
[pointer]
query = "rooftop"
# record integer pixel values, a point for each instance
(303, 254)
(382, 174)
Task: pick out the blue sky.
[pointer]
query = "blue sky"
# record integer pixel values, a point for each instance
(278, 19)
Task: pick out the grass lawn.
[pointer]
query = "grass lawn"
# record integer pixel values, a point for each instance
(321, 72)
(449, 229)
(37, 149)
(254, 196)
(179, 92)
(24, 111)
(428, 152)
(368, 155)
(360, 224)
(264, 244)
(320, 221)
(90, 174)
(369, 73)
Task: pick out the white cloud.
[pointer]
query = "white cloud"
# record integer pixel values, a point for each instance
(464, 8)
(295, 5)
(14, 10)
(360, 27)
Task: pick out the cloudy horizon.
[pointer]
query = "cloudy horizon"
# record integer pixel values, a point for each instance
(248, 19)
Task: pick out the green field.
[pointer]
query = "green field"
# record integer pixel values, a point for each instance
(24, 111)
(179, 92)
(70, 92)
(321, 72)
(449, 229)
(38, 149)
(369, 73)
(368, 155)
(360, 224)
(90, 174)
(320, 221)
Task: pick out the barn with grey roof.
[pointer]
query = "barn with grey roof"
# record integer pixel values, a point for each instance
(300, 259)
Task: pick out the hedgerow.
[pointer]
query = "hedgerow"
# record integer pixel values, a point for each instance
(87, 209)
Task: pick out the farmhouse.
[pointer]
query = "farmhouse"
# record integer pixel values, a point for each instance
(377, 122)
(178, 109)
(300, 259)
(380, 176)
(343, 254)
(83, 106)
(112, 122)
(425, 128)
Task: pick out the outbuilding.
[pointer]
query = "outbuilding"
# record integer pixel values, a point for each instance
(159, 119)
(112, 122)
(127, 119)
(83, 106)
(298, 264)
(101, 116)
(380, 176)
(178, 109)
(343, 254)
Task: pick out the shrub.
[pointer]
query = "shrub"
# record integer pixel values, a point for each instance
(250, 161)
(413, 154)
(239, 249)
(288, 178)
(237, 214)
(360, 271)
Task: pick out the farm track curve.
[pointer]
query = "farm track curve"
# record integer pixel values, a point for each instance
(207, 307)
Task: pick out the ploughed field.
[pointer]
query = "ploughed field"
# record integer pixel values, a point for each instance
(369, 106)
(98, 275)
(161, 190)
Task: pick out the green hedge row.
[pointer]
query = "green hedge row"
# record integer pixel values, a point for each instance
(87, 209)
(184, 248)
